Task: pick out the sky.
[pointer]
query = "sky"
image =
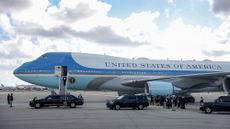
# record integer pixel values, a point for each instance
(155, 29)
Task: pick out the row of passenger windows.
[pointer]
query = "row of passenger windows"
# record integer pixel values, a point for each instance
(94, 71)
(36, 71)
(110, 72)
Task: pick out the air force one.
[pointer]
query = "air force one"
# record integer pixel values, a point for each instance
(127, 76)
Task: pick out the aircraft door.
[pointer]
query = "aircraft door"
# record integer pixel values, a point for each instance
(62, 72)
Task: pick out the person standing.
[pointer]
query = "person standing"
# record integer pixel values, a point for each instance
(8, 99)
(168, 102)
(162, 100)
(80, 97)
(11, 99)
(179, 102)
(201, 101)
(152, 100)
(183, 102)
(174, 102)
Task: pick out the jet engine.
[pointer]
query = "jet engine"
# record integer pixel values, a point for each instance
(226, 84)
(160, 88)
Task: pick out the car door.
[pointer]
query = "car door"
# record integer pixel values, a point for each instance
(218, 105)
(226, 104)
(47, 101)
(142, 100)
(130, 101)
(69, 99)
(55, 100)
(123, 101)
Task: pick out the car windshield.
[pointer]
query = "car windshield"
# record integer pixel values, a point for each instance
(120, 97)
(217, 100)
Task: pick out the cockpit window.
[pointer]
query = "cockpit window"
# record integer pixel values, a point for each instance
(44, 56)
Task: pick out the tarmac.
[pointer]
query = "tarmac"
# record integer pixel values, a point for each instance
(94, 114)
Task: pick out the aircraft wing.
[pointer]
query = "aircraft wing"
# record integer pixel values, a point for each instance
(182, 81)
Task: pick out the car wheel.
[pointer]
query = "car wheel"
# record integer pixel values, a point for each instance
(117, 107)
(72, 105)
(208, 110)
(37, 105)
(140, 107)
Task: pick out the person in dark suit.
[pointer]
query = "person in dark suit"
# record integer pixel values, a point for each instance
(183, 102)
(201, 101)
(11, 99)
(8, 99)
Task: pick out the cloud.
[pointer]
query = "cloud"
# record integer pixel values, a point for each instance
(10, 50)
(171, 1)
(80, 11)
(224, 41)
(99, 35)
(105, 35)
(221, 7)
(37, 30)
(216, 53)
(224, 32)
(14, 5)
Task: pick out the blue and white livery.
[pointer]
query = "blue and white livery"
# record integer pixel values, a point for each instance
(130, 76)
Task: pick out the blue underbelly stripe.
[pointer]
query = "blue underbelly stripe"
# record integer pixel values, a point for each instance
(80, 83)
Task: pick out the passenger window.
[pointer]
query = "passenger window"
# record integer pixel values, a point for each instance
(68, 97)
(48, 98)
(141, 98)
(56, 97)
(126, 98)
(226, 100)
(71, 97)
(62, 97)
(132, 97)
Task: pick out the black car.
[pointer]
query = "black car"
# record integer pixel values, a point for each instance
(129, 101)
(57, 100)
(220, 104)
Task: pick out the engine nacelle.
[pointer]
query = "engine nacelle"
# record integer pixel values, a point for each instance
(226, 84)
(160, 88)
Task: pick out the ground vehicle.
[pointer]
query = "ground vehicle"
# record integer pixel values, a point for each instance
(220, 104)
(57, 100)
(129, 101)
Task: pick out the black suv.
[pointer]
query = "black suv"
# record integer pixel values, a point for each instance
(57, 100)
(220, 104)
(127, 101)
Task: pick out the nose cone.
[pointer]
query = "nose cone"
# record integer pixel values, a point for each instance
(19, 71)
(22, 73)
